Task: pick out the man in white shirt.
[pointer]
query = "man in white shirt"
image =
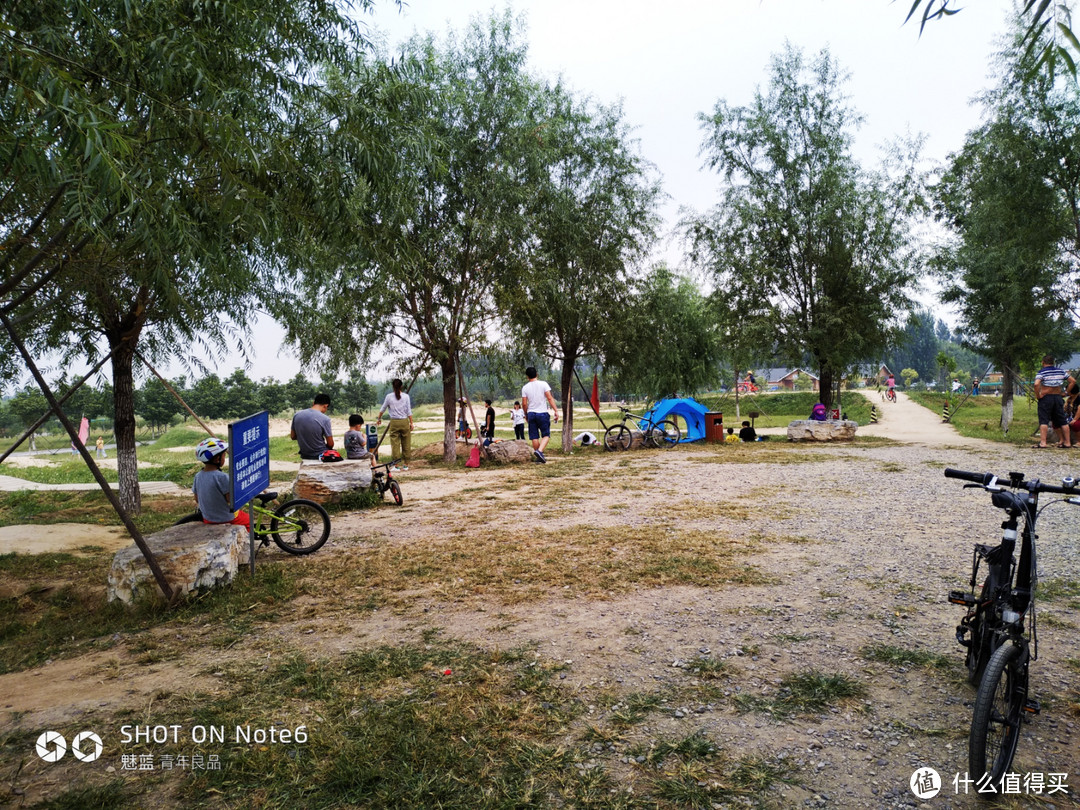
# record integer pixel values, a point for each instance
(533, 396)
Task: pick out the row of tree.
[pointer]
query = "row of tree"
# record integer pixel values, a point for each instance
(170, 168)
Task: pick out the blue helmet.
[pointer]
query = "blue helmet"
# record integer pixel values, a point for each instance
(208, 448)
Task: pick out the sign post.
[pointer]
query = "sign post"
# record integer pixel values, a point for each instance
(249, 468)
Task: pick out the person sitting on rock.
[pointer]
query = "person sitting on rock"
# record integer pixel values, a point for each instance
(211, 486)
(818, 414)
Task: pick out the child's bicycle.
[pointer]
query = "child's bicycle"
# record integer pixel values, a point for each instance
(999, 627)
(383, 481)
(298, 526)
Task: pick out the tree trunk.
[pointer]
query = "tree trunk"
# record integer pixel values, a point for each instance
(825, 386)
(566, 392)
(1008, 382)
(449, 397)
(124, 424)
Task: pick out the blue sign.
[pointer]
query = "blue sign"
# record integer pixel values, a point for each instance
(249, 453)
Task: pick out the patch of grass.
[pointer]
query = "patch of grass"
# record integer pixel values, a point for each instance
(696, 747)
(801, 693)
(891, 466)
(793, 638)
(980, 417)
(694, 784)
(113, 795)
(1050, 620)
(708, 667)
(594, 561)
(59, 611)
(634, 708)
(903, 657)
(64, 506)
(1058, 588)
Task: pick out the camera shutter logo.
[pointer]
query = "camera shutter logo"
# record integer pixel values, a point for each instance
(84, 740)
(51, 746)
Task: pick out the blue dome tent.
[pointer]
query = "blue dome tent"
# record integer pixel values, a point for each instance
(688, 409)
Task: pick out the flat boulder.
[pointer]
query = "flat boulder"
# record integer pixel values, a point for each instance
(516, 451)
(327, 482)
(832, 430)
(193, 557)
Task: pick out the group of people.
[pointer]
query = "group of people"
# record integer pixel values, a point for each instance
(535, 412)
(746, 434)
(314, 435)
(1050, 391)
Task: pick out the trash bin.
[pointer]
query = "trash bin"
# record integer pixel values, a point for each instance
(714, 427)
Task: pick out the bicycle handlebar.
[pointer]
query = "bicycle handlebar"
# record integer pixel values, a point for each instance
(985, 479)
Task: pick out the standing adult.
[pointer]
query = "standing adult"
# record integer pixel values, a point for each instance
(100, 445)
(1050, 391)
(489, 421)
(399, 407)
(535, 398)
(975, 387)
(311, 428)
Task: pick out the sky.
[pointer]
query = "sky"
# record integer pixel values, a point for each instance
(669, 62)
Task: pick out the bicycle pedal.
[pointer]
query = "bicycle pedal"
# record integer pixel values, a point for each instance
(1031, 706)
(962, 598)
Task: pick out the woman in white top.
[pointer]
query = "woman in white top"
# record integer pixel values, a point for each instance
(399, 405)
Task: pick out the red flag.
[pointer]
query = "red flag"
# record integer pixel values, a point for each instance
(594, 400)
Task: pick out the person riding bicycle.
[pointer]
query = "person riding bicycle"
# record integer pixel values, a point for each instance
(211, 486)
(890, 384)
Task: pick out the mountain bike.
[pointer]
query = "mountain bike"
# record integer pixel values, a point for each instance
(298, 526)
(664, 433)
(999, 628)
(382, 482)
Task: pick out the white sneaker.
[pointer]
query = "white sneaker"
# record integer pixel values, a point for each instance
(395, 469)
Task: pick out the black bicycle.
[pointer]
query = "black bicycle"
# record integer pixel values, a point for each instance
(298, 526)
(383, 482)
(999, 628)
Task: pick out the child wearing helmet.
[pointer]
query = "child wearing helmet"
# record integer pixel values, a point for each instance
(211, 486)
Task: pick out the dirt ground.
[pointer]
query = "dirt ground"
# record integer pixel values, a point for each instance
(861, 544)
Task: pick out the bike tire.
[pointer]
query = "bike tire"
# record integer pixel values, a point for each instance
(998, 715)
(313, 522)
(395, 490)
(981, 645)
(666, 434)
(618, 437)
(194, 517)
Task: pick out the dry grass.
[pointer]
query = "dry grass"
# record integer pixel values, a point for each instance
(592, 561)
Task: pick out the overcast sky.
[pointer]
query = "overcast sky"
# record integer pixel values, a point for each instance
(669, 62)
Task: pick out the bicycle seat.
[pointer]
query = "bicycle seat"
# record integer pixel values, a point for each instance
(265, 497)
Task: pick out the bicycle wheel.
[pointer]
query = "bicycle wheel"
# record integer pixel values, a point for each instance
(395, 490)
(998, 715)
(665, 434)
(300, 526)
(981, 641)
(618, 437)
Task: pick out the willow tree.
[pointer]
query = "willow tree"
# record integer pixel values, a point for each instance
(152, 158)
(592, 215)
(413, 267)
(819, 244)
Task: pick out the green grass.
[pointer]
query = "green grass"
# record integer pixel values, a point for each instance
(900, 656)
(778, 409)
(803, 693)
(73, 506)
(980, 417)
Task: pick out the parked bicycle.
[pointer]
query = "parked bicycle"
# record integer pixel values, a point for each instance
(298, 526)
(663, 433)
(999, 628)
(383, 482)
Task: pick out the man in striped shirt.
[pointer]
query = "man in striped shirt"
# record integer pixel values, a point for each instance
(1049, 391)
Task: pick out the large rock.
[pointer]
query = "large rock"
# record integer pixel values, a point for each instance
(832, 430)
(193, 557)
(326, 483)
(515, 451)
